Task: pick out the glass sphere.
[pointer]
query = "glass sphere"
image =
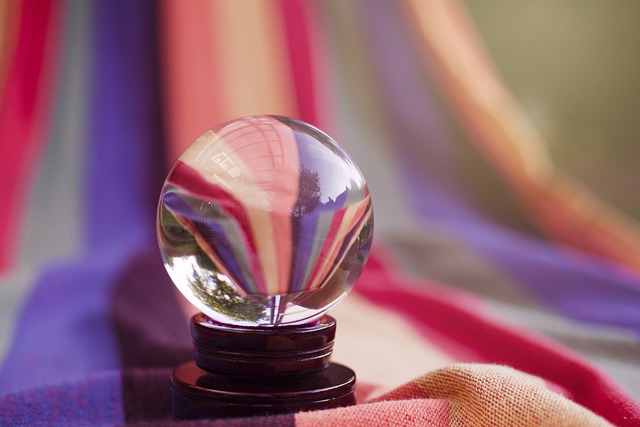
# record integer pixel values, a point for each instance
(264, 221)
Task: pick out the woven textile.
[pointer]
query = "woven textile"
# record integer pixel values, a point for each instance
(519, 305)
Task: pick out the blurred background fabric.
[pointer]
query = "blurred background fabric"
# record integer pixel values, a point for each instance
(500, 144)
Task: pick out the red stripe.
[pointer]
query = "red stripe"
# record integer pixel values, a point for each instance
(448, 312)
(295, 26)
(23, 112)
(187, 179)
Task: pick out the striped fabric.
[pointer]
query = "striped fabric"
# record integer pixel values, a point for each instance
(514, 306)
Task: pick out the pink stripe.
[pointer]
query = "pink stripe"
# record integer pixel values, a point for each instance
(24, 113)
(454, 315)
(295, 27)
(410, 412)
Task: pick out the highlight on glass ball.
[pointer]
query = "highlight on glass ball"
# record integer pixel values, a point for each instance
(264, 221)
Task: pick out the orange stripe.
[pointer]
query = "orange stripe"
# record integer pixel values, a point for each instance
(192, 79)
(224, 60)
(10, 12)
(560, 207)
(252, 56)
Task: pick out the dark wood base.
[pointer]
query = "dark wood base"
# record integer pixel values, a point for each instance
(198, 394)
(241, 372)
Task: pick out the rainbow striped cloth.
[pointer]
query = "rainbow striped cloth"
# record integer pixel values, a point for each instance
(499, 291)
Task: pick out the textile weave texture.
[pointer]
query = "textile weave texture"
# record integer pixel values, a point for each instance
(499, 291)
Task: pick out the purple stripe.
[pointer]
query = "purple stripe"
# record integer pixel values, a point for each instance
(126, 156)
(308, 206)
(577, 285)
(94, 400)
(435, 162)
(432, 167)
(93, 312)
(126, 162)
(420, 139)
(303, 230)
(65, 329)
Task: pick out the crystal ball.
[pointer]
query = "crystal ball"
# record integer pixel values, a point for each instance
(264, 221)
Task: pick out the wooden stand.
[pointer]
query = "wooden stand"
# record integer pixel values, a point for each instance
(242, 371)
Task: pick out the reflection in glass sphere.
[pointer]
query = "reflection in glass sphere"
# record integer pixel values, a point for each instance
(264, 221)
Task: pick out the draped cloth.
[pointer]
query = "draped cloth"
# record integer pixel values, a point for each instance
(500, 291)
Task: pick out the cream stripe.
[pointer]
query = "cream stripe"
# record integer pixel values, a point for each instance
(253, 59)
(361, 121)
(381, 346)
